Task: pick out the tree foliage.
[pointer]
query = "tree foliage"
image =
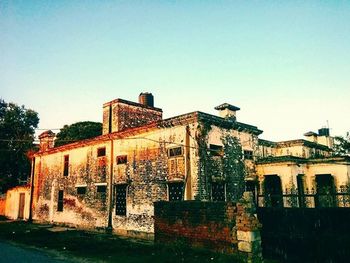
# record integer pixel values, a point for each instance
(342, 144)
(78, 131)
(17, 127)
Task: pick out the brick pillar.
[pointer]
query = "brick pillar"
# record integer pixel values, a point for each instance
(248, 229)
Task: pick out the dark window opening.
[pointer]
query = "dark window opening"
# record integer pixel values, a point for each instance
(81, 190)
(216, 150)
(120, 208)
(248, 155)
(66, 165)
(101, 191)
(175, 191)
(101, 152)
(300, 186)
(325, 191)
(60, 201)
(173, 152)
(218, 191)
(273, 191)
(122, 159)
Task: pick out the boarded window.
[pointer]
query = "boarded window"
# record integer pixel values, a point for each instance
(81, 190)
(175, 191)
(218, 191)
(248, 155)
(120, 198)
(101, 152)
(122, 159)
(216, 150)
(66, 165)
(60, 201)
(173, 152)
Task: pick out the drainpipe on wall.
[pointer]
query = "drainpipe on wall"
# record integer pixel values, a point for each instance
(110, 189)
(31, 191)
(188, 179)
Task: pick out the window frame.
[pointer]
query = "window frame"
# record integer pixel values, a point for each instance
(101, 151)
(122, 159)
(66, 165)
(175, 155)
(60, 201)
(173, 198)
(121, 211)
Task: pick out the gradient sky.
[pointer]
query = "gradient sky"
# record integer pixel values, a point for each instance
(286, 64)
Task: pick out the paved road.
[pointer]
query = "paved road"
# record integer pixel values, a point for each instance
(11, 253)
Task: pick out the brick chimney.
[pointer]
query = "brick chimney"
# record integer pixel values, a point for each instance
(120, 115)
(46, 140)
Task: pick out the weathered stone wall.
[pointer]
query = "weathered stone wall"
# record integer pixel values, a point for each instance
(219, 226)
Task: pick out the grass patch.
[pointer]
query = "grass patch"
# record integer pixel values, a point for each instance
(105, 247)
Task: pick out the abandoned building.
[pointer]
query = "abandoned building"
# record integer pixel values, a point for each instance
(111, 181)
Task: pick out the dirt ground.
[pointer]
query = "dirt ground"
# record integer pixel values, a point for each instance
(83, 246)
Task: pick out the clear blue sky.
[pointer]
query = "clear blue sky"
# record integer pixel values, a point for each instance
(286, 64)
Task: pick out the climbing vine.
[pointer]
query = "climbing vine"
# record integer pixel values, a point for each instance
(228, 167)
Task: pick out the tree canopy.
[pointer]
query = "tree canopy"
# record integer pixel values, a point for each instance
(78, 131)
(17, 127)
(342, 144)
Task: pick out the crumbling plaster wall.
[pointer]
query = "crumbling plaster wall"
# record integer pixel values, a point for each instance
(88, 210)
(248, 141)
(148, 171)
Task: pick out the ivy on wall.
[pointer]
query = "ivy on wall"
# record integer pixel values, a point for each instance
(228, 168)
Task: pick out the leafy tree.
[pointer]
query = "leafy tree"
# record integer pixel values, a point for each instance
(78, 131)
(17, 127)
(342, 144)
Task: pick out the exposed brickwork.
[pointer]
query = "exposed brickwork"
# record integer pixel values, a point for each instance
(119, 115)
(201, 224)
(220, 226)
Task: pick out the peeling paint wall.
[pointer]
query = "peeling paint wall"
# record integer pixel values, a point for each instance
(85, 170)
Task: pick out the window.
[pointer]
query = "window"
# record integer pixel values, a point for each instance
(66, 165)
(218, 191)
(81, 190)
(101, 152)
(120, 208)
(175, 191)
(122, 159)
(173, 152)
(101, 190)
(216, 150)
(248, 155)
(60, 201)
(300, 185)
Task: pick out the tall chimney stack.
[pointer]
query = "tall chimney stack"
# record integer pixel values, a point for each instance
(146, 99)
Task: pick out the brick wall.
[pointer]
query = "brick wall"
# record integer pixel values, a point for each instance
(220, 226)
